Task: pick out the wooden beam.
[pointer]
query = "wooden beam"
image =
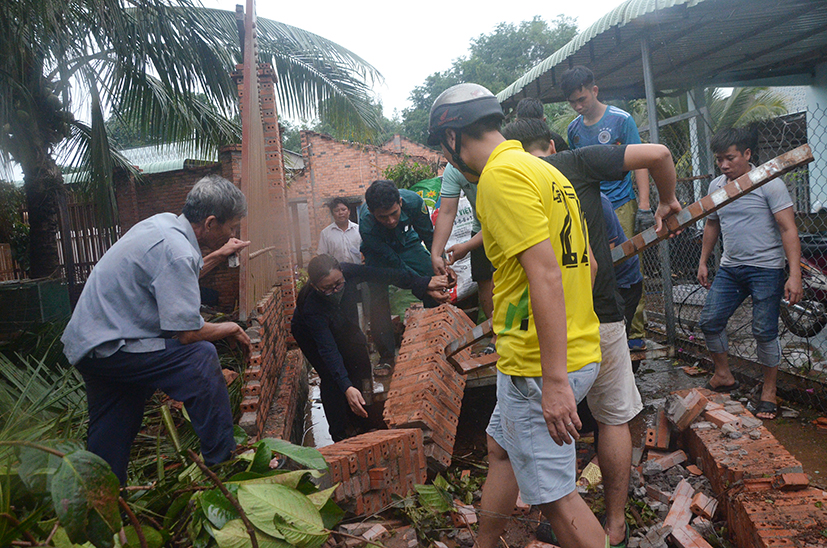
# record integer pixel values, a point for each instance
(727, 194)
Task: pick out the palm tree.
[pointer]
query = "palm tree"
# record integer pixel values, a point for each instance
(149, 62)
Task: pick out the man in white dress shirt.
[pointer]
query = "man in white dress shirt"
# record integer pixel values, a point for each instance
(341, 238)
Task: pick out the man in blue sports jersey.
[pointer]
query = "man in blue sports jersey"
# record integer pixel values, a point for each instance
(601, 124)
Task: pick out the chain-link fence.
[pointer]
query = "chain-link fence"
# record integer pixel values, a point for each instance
(802, 327)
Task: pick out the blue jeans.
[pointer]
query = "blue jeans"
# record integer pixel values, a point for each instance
(731, 286)
(117, 388)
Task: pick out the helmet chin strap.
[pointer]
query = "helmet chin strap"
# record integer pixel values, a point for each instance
(460, 163)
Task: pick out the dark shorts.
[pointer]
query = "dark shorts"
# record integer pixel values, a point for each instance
(481, 267)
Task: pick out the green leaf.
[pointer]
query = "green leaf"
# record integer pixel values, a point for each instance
(30, 522)
(154, 539)
(234, 535)
(441, 482)
(37, 467)
(434, 498)
(289, 479)
(301, 534)
(217, 509)
(331, 514)
(320, 499)
(85, 497)
(261, 460)
(304, 456)
(263, 502)
(175, 509)
(239, 435)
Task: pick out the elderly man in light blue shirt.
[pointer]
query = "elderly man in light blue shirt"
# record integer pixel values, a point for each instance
(137, 326)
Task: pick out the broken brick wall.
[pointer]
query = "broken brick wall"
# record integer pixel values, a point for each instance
(372, 468)
(340, 168)
(275, 381)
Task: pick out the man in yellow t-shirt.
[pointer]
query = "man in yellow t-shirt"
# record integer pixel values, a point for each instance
(548, 333)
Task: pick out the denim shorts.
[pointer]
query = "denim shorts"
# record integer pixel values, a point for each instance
(731, 286)
(545, 471)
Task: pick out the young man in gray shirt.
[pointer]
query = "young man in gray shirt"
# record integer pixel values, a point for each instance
(759, 233)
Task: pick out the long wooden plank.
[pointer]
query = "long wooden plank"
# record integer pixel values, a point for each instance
(727, 194)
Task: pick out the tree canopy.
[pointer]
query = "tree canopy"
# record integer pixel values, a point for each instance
(495, 61)
(160, 65)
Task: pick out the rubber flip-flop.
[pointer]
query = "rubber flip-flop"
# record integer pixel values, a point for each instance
(623, 543)
(767, 408)
(490, 349)
(382, 369)
(722, 389)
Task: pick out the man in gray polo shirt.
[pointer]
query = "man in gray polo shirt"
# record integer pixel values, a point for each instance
(137, 326)
(759, 233)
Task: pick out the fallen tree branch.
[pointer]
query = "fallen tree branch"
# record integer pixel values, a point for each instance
(134, 521)
(210, 474)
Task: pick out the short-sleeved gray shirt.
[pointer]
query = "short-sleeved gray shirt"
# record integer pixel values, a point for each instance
(748, 226)
(452, 182)
(144, 289)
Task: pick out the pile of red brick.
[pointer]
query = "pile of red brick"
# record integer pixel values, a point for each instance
(372, 467)
(425, 390)
(766, 495)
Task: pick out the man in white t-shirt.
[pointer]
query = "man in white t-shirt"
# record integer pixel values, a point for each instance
(341, 237)
(759, 234)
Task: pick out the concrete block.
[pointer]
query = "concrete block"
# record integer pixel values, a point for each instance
(656, 536)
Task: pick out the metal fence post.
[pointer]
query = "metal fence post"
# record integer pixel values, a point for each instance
(663, 247)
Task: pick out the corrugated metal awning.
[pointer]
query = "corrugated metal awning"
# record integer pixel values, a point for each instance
(693, 43)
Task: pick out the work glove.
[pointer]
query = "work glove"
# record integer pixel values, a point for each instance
(644, 218)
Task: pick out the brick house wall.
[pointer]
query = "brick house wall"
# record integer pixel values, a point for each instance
(340, 168)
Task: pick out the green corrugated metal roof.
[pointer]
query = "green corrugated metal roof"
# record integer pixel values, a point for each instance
(692, 43)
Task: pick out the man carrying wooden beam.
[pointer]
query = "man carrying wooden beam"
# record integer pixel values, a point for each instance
(759, 233)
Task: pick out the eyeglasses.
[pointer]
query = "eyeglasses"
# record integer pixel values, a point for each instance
(331, 290)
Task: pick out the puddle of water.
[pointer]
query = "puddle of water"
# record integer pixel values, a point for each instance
(315, 423)
(807, 443)
(656, 379)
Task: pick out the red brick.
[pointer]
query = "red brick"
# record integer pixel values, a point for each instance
(671, 459)
(687, 537)
(720, 417)
(658, 438)
(692, 406)
(703, 506)
(380, 478)
(656, 494)
(791, 482)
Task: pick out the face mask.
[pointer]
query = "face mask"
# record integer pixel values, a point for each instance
(333, 298)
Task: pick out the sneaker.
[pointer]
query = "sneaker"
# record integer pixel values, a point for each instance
(636, 345)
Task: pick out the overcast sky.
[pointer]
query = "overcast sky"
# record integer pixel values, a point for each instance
(408, 41)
